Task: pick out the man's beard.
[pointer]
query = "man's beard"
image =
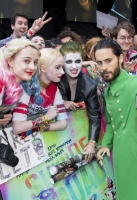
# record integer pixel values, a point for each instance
(115, 74)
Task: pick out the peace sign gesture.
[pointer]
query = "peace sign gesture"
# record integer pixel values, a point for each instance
(39, 23)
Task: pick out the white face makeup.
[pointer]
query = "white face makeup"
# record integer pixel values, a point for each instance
(73, 64)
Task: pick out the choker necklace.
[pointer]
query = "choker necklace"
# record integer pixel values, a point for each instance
(42, 84)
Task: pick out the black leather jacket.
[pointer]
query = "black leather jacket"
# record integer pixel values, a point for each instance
(86, 91)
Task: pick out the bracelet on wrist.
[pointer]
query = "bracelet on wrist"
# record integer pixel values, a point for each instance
(92, 143)
(40, 121)
(30, 32)
(45, 127)
(33, 124)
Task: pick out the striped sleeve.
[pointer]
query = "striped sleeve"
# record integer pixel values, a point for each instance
(59, 102)
(20, 112)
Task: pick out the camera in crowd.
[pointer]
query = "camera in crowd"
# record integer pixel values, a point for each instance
(7, 155)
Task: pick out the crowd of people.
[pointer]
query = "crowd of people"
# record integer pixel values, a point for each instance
(44, 78)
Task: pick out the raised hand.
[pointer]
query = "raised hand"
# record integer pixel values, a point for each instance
(106, 31)
(39, 23)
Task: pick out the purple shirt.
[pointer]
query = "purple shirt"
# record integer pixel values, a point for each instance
(4, 41)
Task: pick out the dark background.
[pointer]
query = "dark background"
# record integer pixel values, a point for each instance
(56, 10)
(76, 12)
(32, 8)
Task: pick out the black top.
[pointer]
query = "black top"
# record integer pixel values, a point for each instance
(86, 91)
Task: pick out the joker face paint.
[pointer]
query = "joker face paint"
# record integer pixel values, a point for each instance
(72, 64)
(38, 146)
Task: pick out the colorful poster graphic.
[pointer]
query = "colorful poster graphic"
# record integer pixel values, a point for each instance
(90, 182)
(31, 152)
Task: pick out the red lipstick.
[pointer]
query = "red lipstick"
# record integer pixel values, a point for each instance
(30, 73)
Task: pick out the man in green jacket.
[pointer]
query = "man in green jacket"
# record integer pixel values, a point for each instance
(121, 118)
